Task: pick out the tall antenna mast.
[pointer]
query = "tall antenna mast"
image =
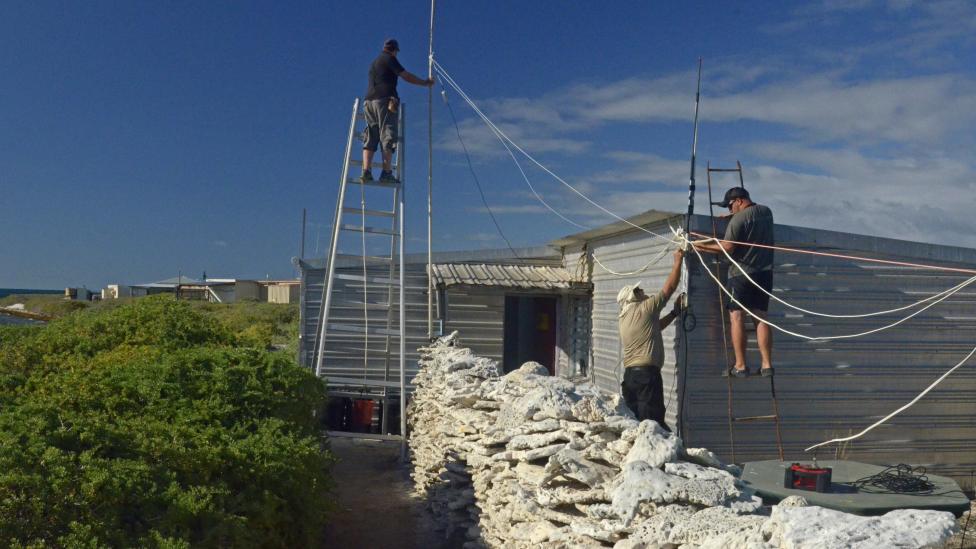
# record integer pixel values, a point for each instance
(430, 181)
(694, 152)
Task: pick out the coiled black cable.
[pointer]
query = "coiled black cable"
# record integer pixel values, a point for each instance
(896, 479)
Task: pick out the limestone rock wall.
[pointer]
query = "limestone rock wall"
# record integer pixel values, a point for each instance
(529, 460)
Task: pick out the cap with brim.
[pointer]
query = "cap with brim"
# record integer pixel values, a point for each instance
(391, 45)
(730, 195)
(627, 292)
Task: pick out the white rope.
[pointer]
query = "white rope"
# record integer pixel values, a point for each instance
(721, 286)
(899, 410)
(653, 260)
(814, 313)
(522, 171)
(362, 204)
(471, 103)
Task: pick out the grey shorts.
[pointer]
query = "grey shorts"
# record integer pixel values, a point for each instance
(381, 125)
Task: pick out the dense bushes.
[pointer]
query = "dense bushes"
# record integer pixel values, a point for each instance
(148, 425)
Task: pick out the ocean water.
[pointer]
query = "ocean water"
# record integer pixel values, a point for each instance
(4, 292)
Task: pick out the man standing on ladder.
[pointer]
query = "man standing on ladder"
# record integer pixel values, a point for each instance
(380, 108)
(640, 326)
(750, 223)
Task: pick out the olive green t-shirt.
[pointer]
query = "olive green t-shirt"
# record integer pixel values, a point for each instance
(640, 333)
(753, 224)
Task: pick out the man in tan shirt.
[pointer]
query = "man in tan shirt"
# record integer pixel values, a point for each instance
(640, 325)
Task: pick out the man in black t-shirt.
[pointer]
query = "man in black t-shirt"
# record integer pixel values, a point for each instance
(380, 108)
(753, 224)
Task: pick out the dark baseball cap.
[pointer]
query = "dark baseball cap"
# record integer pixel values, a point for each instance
(391, 45)
(730, 195)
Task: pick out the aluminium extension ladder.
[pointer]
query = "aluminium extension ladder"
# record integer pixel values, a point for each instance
(361, 316)
(734, 419)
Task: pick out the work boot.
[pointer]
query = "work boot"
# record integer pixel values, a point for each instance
(366, 177)
(386, 176)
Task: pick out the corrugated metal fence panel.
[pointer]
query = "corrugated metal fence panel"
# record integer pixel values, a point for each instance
(479, 315)
(344, 350)
(828, 389)
(627, 253)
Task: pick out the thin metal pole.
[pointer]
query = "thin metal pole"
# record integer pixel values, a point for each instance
(430, 181)
(694, 152)
(401, 163)
(683, 374)
(301, 249)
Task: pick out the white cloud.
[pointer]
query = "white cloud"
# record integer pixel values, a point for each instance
(641, 167)
(880, 153)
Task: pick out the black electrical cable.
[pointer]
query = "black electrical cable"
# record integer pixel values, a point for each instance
(685, 315)
(896, 479)
(473, 174)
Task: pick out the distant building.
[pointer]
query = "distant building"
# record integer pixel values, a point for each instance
(117, 291)
(78, 294)
(280, 291)
(214, 290)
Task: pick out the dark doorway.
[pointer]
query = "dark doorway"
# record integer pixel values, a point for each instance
(530, 331)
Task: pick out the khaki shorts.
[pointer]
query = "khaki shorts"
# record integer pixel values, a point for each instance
(381, 126)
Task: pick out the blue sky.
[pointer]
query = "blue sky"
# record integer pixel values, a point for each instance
(144, 138)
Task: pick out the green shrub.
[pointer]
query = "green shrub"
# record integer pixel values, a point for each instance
(144, 425)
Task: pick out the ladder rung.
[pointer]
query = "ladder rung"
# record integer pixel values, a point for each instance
(361, 330)
(724, 169)
(374, 183)
(370, 279)
(370, 230)
(360, 211)
(349, 304)
(754, 418)
(369, 258)
(361, 382)
(359, 162)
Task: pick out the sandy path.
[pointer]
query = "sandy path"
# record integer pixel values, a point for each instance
(373, 496)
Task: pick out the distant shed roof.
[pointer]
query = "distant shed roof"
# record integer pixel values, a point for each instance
(504, 276)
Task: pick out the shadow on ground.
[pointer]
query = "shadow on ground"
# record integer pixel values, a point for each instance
(374, 505)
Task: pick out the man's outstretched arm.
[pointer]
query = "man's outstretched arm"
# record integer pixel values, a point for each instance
(713, 247)
(671, 284)
(413, 79)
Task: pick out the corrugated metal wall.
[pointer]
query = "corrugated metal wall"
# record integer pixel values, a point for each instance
(344, 351)
(626, 252)
(830, 389)
(479, 315)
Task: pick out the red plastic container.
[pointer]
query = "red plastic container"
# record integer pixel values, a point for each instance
(362, 415)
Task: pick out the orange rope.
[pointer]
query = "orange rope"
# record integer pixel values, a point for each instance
(842, 256)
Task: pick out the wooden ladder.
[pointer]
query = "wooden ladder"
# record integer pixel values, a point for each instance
(733, 418)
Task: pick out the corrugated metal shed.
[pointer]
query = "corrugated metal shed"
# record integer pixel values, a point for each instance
(825, 388)
(479, 321)
(504, 276)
